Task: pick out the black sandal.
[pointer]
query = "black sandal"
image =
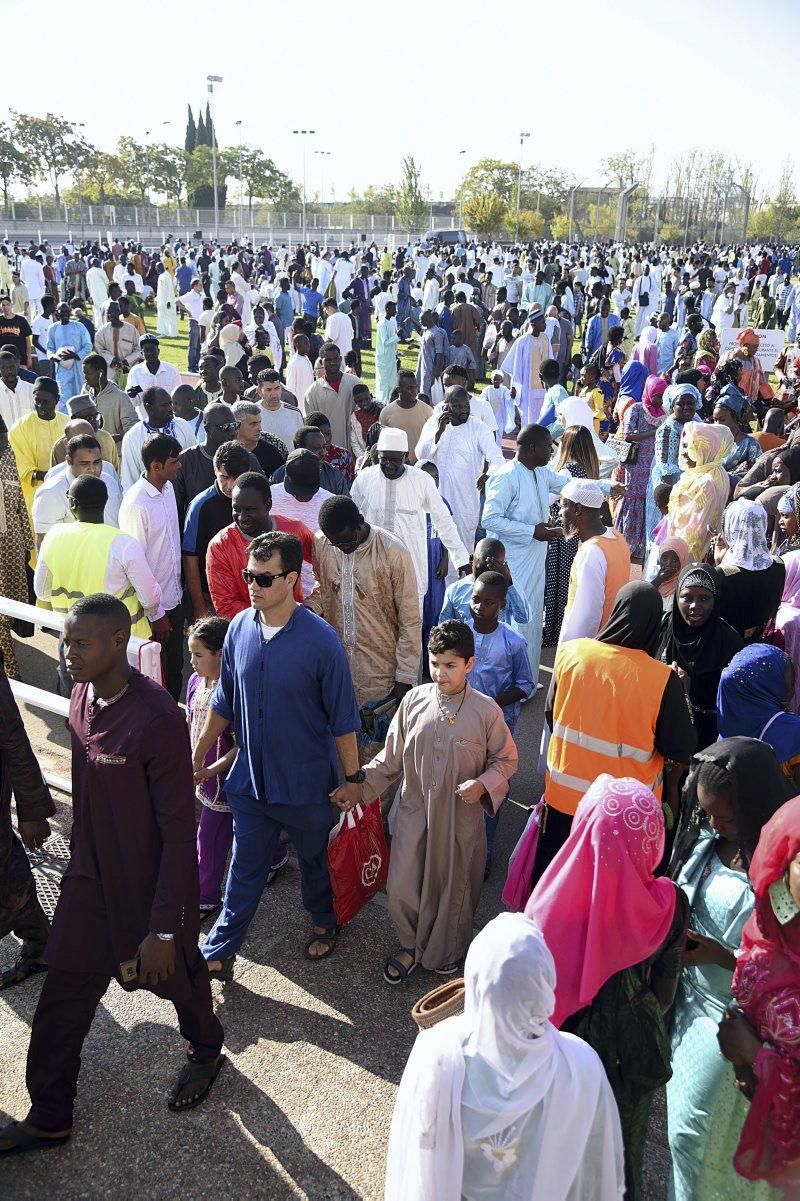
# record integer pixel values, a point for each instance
(224, 973)
(328, 938)
(403, 972)
(19, 971)
(26, 1140)
(188, 1074)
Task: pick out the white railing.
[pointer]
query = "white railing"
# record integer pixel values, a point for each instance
(143, 653)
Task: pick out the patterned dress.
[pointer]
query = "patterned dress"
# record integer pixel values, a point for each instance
(16, 543)
(630, 518)
(664, 469)
(560, 555)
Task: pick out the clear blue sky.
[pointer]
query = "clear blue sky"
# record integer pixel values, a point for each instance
(379, 80)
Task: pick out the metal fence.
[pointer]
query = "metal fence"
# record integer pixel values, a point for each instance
(719, 214)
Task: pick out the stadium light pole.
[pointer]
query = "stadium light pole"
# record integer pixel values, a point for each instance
(461, 201)
(212, 79)
(522, 138)
(322, 155)
(238, 125)
(304, 133)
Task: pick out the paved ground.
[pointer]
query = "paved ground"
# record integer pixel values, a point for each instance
(315, 1051)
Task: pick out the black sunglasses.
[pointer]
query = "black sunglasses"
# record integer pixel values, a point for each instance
(262, 579)
(223, 425)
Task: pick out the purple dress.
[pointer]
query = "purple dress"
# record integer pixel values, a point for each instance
(630, 517)
(215, 829)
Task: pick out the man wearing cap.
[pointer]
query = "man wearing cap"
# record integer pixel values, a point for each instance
(68, 344)
(32, 437)
(601, 567)
(114, 406)
(84, 418)
(152, 373)
(516, 512)
(397, 497)
(51, 502)
(118, 342)
(521, 365)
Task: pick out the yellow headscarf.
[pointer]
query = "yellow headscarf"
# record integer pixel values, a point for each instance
(698, 500)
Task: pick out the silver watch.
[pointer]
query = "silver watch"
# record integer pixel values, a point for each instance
(166, 937)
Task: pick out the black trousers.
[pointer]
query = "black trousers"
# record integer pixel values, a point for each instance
(63, 1016)
(556, 831)
(20, 911)
(172, 652)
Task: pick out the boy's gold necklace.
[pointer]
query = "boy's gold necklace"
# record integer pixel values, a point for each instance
(450, 717)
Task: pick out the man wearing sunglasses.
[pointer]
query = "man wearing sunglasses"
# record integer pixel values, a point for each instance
(285, 686)
(197, 462)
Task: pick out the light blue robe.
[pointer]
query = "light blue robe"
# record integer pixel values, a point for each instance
(69, 375)
(386, 359)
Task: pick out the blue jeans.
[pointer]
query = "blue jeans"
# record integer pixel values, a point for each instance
(194, 346)
(256, 833)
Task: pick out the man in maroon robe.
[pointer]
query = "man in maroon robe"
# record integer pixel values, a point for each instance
(359, 290)
(130, 892)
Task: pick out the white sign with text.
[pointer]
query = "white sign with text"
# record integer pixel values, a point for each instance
(770, 345)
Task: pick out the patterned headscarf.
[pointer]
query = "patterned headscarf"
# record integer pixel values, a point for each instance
(745, 531)
(675, 391)
(698, 500)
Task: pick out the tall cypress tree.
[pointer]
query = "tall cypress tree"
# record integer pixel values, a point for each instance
(200, 138)
(211, 133)
(191, 132)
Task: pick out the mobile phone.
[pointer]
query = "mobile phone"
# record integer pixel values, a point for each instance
(129, 974)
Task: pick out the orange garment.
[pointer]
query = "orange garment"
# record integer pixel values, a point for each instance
(605, 712)
(769, 441)
(618, 571)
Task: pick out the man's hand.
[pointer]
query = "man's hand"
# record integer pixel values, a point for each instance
(737, 1039)
(161, 627)
(346, 796)
(501, 566)
(444, 421)
(546, 533)
(471, 792)
(400, 689)
(480, 482)
(618, 490)
(157, 959)
(707, 951)
(34, 834)
(463, 570)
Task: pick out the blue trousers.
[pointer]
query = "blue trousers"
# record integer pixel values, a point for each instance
(256, 832)
(194, 345)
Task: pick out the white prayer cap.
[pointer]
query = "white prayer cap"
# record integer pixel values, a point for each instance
(583, 492)
(393, 439)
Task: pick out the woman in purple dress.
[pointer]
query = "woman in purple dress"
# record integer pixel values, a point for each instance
(639, 427)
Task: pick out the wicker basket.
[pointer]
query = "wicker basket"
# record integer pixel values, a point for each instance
(446, 1001)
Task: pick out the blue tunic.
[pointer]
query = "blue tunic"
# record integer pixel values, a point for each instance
(501, 662)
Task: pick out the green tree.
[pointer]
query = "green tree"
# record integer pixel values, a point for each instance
(200, 140)
(191, 132)
(211, 133)
(102, 177)
(544, 189)
(485, 213)
(490, 175)
(199, 175)
(624, 169)
(14, 166)
(53, 143)
(412, 203)
(559, 226)
(531, 223)
(262, 179)
(134, 158)
(169, 170)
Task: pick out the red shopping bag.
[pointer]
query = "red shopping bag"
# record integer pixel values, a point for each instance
(358, 860)
(517, 888)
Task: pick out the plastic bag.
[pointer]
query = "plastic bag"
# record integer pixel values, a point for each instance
(358, 860)
(517, 888)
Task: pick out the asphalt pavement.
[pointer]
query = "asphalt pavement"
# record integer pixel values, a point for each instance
(314, 1050)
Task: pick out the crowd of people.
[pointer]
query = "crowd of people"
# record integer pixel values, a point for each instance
(591, 455)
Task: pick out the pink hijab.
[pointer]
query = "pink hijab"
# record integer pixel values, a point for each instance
(598, 904)
(787, 619)
(654, 390)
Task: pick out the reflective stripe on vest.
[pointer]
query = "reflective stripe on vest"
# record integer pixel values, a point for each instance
(77, 558)
(590, 743)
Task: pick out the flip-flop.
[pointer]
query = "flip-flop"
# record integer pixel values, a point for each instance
(446, 971)
(224, 973)
(196, 1071)
(328, 937)
(403, 972)
(26, 1140)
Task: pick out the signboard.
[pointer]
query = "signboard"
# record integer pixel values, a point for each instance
(770, 345)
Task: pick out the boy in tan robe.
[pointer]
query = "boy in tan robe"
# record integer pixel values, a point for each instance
(454, 750)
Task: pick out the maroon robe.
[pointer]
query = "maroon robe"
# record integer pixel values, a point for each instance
(133, 867)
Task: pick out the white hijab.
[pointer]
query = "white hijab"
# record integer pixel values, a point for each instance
(744, 529)
(499, 1098)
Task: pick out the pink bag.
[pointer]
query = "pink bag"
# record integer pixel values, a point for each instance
(358, 860)
(517, 888)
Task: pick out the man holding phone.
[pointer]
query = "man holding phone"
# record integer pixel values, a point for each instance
(129, 905)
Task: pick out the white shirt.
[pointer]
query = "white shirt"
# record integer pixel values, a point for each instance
(339, 329)
(502, 405)
(282, 422)
(31, 273)
(130, 467)
(192, 301)
(299, 375)
(459, 455)
(50, 503)
(400, 506)
(39, 327)
(167, 376)
(380, 301)
(590, 566)
(16, 404)
(306, 511)
(151, 517)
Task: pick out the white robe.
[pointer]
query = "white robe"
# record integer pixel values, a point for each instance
(243, 288)
(343, 275)
(400, 506)
(459, 455)
(517, 366)
(97, 287)
(167, 325)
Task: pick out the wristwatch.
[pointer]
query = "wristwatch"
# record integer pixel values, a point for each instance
(166, 937)
(358, 777)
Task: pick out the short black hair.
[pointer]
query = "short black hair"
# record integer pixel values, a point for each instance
(210, 631)
(257, 481)
(157, 448)
(357, 390)
(338, 513)
(661, 495)
(550, 371)
(532, 435)
(493, 579)
(82, 442)
(268, 376)
(109, 609)
(89, 493)
(97, 361)
(452, 636)
(301, 433)
(233, 457)
(318, 419)
(286, 545)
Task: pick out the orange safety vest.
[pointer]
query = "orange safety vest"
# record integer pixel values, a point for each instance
(618, 571)
(607, 703)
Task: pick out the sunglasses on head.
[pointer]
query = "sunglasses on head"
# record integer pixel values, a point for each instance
(262, 579)
(223, 425)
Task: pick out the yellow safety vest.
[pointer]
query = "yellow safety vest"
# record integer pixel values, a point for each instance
(77, 558)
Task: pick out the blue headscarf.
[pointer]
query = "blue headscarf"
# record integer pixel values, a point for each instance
(752, 695)
(675, 391)
(634, 378)
(732, 398)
